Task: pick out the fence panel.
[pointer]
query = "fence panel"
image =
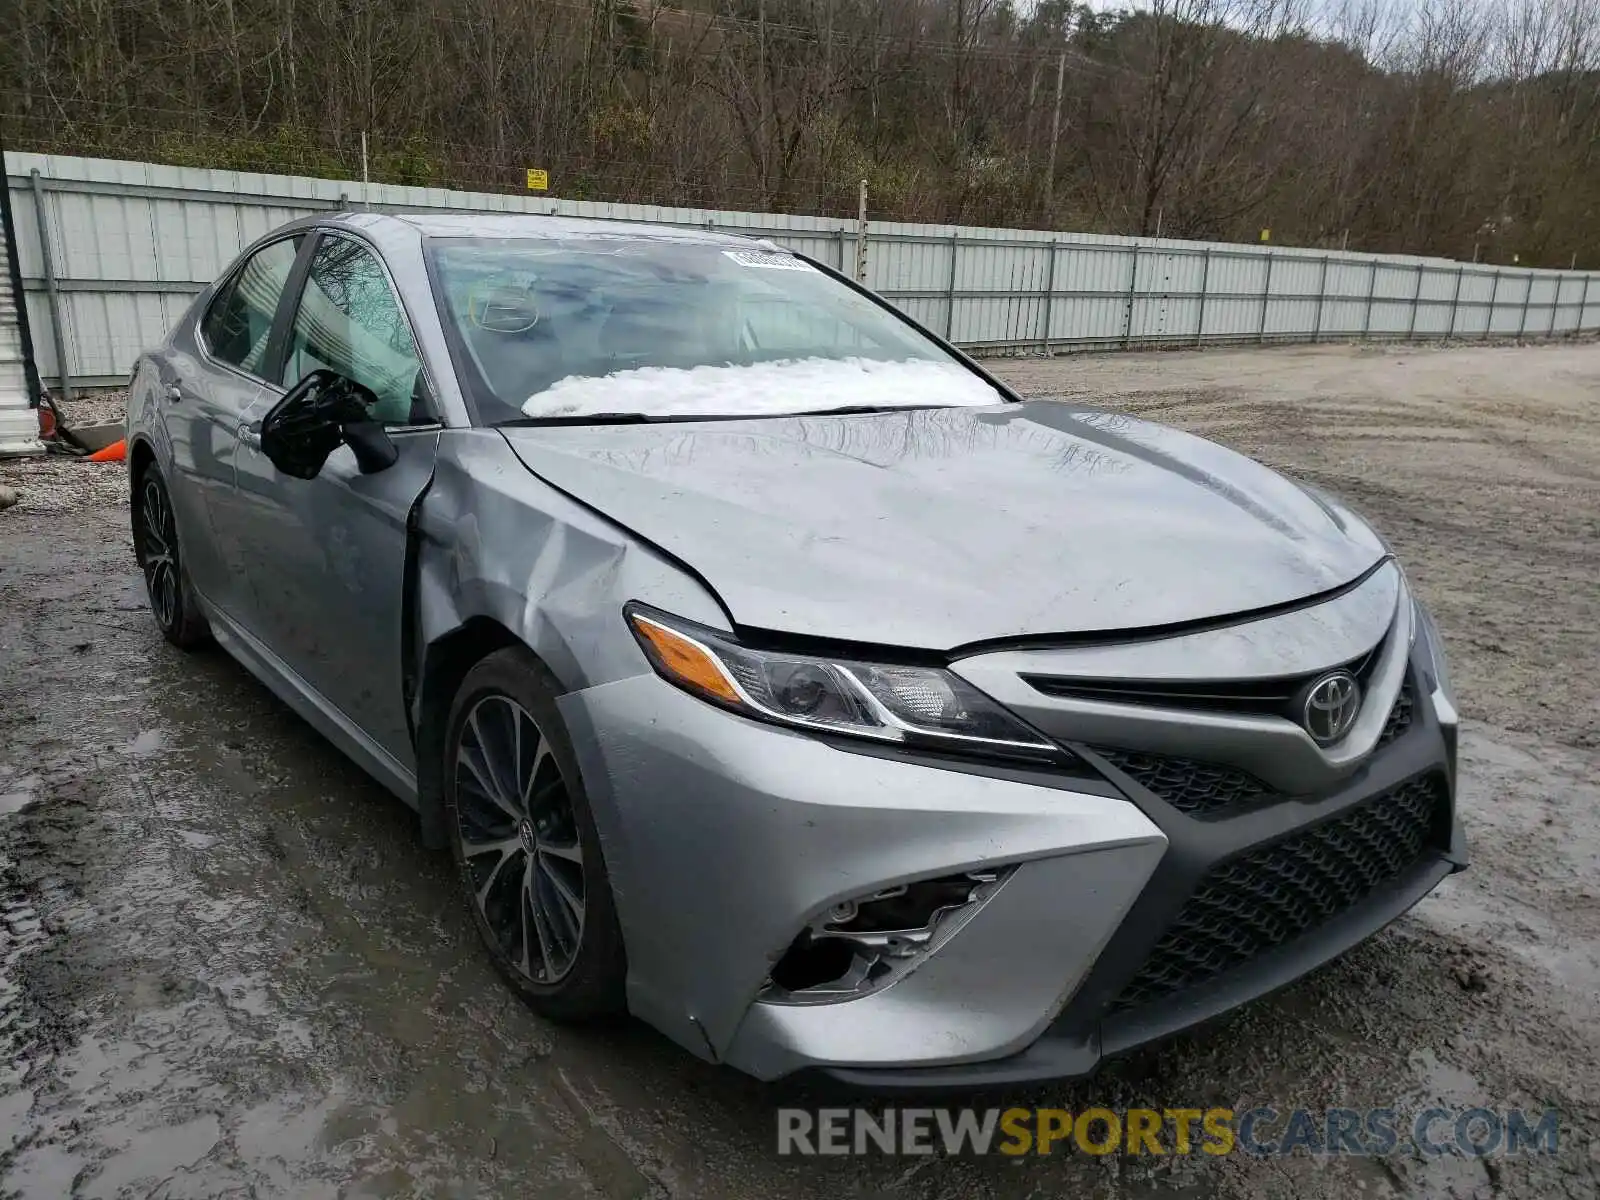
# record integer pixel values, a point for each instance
(112, 252)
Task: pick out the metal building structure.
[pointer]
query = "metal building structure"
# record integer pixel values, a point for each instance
(112, 251)
(19, 386)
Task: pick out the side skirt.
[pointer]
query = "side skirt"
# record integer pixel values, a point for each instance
(310, 704)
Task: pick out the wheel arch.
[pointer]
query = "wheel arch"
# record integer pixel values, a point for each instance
(501, 559)
(141, 456)
(445, 662)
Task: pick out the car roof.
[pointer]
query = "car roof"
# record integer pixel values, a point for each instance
(532, 225)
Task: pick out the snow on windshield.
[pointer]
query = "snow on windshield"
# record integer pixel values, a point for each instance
(669, 328)
(792, 385)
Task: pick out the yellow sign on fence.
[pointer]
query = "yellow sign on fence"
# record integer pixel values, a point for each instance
(538, 181)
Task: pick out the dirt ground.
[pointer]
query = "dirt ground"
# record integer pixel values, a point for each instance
(227, 968)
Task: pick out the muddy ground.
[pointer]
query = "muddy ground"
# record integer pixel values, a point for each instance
(227, 968)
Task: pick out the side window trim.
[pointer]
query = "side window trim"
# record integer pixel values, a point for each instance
(288, 305)
(288, 312)
(225, 289)
(222, 294)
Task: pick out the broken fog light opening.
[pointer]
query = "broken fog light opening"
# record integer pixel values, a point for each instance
(859, 945)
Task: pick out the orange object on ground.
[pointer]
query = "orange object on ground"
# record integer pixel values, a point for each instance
(112, 453)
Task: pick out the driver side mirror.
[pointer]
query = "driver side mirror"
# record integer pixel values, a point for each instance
(324, 409)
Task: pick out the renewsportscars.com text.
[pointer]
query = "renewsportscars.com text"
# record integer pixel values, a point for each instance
(1261, 1131)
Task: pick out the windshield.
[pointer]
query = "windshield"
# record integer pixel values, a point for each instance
(651, 327)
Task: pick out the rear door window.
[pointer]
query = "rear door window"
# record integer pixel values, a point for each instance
(238, 325)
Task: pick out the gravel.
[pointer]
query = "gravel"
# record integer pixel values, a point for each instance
(60, 484)
(95, 408)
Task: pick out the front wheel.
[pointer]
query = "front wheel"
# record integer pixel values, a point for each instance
(525, 842)
(155, 541)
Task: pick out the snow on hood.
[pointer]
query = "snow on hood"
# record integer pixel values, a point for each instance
(787, 386)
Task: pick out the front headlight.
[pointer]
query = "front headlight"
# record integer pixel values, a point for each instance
(916, 706)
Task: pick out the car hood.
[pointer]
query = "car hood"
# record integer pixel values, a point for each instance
(938, 528)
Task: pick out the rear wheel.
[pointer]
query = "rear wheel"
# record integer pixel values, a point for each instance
(155, 540)
(525, 843)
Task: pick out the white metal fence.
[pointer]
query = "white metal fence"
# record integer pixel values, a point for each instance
(112, 251)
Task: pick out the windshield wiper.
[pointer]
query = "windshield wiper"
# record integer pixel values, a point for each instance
(639, 418)
(845, 410)
(601, 418)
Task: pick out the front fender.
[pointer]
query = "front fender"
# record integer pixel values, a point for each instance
(497, 543)
(503, 558)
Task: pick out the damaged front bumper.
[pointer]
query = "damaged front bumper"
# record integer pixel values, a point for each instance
(725, 839)
(1052, 897)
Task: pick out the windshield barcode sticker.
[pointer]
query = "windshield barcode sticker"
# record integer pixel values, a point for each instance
(767, 259)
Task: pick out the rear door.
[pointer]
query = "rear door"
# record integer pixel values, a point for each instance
(326, 557)
(215, 373)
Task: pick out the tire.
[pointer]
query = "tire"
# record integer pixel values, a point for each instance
(525, 843)
(166, 579)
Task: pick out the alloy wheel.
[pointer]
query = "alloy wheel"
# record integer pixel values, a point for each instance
(160, 546)
(519, 838)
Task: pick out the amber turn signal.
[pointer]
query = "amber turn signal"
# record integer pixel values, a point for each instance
(686, 661)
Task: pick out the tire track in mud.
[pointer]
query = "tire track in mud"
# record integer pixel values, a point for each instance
(25, 1044)
(242, 989)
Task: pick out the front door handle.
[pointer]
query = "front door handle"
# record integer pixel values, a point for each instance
(175, 393)
(250, 435)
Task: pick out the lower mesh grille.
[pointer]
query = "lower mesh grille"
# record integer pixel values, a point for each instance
(1265, 898)
(1399, 716)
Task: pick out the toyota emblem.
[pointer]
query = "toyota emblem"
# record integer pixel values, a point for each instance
(1332, 706)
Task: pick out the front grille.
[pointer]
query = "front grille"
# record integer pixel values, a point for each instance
(1211, 790)
(1200, 789)
(1258, 697)
(1264, 898)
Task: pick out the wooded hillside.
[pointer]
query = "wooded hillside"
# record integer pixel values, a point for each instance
(1435, 127)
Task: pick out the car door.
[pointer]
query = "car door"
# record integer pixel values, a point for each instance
(326, 557)
(214, 372)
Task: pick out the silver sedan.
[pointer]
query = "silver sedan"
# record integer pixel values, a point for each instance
(770, 670)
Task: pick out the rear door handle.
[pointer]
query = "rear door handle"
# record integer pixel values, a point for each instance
(175, 393)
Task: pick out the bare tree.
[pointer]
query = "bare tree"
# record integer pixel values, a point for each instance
(1422, 125)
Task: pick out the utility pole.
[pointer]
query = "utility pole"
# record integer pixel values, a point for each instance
(861, 236)
(1055, 134)
(761, 97)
